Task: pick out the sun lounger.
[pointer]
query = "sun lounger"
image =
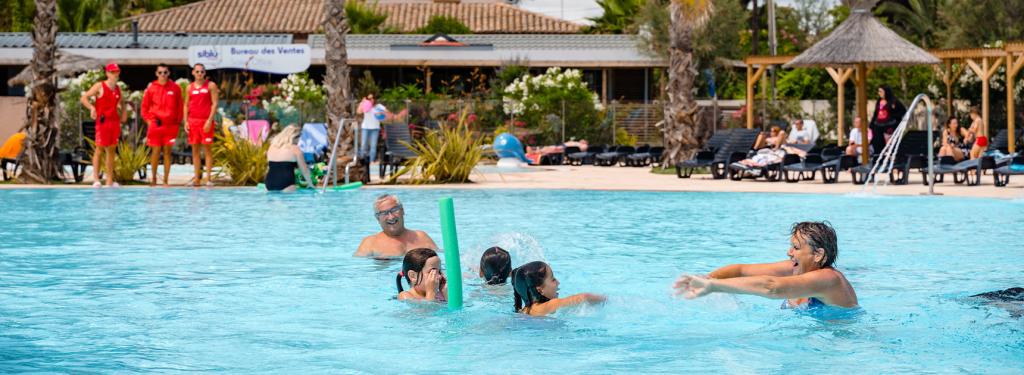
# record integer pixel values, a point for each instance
(772, 171)
(396, 151)
(970, 171)
(585, 157)
(641, 158)
(910, 155)
(734, 147)
(1014, 167)
(613, 156)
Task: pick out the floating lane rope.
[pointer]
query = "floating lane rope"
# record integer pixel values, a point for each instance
(453, 268)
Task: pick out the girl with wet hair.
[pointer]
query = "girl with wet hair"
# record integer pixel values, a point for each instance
(421, 268)
(495, 266)
(536, 291)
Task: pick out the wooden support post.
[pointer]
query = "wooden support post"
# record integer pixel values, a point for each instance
(1013, 67)
(985, 73)
(840, 77)
(604, 86)
(426, 75)
(862, 111)
(752, 78)
(950, 74)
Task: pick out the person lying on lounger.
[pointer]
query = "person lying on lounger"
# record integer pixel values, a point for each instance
(394, 239)
(808, 278)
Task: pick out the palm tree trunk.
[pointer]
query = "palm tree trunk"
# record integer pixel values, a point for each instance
(683, 130)
(42, 155)
(337, 79)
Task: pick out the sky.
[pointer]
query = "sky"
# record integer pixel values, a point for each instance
(580, 10)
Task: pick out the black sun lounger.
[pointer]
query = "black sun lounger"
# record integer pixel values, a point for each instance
(613, 156)
(1014, 167)
(734, 148)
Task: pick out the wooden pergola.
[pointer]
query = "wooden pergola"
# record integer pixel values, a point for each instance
(984, 62)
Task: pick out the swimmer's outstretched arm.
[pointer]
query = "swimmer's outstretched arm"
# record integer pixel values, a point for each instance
(811, 284)
(555, 304)
(782, 268)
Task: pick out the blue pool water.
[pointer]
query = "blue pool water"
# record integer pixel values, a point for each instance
(241, 281)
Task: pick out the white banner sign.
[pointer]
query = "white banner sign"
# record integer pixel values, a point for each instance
(266, 58)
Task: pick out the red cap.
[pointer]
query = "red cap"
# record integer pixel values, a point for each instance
(113, 68)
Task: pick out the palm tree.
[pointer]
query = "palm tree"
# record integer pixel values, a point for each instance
(917, 20)
(41, 158)
(683, 130)
(337, 79)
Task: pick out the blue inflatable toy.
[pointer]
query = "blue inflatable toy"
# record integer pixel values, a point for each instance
(509, 149)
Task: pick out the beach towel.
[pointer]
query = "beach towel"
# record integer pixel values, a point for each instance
(12, 147)
(313, 142)
(257, 130)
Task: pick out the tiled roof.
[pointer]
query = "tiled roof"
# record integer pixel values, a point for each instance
(146, 40)
(306, 16)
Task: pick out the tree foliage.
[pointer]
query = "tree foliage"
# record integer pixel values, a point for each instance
(81, 15)
(617, 16)
(365, 19)
(444, 25)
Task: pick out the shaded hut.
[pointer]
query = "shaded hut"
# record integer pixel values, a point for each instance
(68, 65)
(862, 42)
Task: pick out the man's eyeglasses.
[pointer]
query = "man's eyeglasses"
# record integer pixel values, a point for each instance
(163, 72)
(392, 211)
(199, 72)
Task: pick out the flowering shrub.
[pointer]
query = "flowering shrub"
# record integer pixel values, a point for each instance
(535, 99)
(297, 99)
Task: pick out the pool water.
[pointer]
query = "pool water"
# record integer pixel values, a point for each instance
(241, 281)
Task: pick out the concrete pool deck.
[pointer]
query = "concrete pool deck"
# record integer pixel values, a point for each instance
(641, 179)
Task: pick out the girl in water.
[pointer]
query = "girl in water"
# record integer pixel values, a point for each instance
(536, 291)
(421, 268)
(495, 266)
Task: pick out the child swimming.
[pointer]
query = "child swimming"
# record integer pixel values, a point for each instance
(495, 266)
(536, 291)
(422, 270)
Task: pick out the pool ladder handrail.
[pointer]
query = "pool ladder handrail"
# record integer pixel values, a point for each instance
(331, 169)
(887, 156)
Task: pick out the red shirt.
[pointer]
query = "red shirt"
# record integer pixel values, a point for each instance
(200, 102)
(162, 102)
(883, 111)
(109, 98)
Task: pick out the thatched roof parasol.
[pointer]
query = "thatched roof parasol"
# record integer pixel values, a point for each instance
(861, 42)
(68, 65)
(861, 39)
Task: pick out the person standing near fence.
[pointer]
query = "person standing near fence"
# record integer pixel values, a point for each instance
(200, 109)
(373, 114)
(109, 114)
(162, 110)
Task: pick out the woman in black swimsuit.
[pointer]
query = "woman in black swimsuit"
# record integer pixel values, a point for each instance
(284, 156)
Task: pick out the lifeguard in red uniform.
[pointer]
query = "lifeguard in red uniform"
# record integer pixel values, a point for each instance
(162, 109)
(108, 113)
(200, 109)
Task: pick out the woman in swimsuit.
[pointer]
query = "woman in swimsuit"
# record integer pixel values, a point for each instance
(808, 278)
(954, 141)
(283, 157)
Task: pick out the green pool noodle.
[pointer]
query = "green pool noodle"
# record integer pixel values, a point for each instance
(349, 186)
(453, 269)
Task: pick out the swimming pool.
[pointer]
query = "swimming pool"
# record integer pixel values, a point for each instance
(237, 280)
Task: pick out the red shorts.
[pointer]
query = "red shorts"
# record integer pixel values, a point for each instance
(196, 135)
(159, 136)
(981, 141)
(108, 131)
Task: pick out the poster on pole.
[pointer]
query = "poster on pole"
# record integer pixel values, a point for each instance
(265, 58)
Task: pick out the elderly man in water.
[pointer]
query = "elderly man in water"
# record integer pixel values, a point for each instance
(394, 238)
